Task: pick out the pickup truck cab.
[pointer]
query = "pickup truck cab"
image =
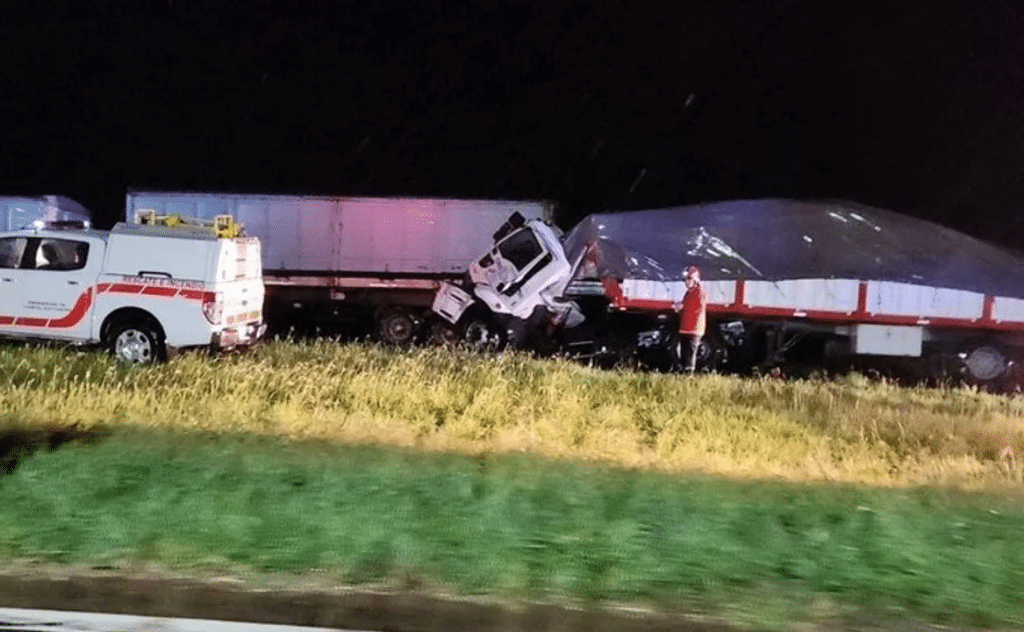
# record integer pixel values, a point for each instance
(142, 291)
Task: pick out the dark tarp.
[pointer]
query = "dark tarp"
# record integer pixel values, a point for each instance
(774, 240)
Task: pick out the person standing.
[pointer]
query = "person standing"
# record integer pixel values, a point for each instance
(692, 311)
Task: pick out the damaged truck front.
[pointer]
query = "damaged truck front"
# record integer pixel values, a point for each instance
(791, 283)
(515, 293)
(531, 291)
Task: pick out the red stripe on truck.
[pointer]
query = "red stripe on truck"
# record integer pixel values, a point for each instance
(72, 318)
(84, 302)
(26, 321)
(126, 288)
(76, 314)
(149, 290)
(191, 295)
(156, 290)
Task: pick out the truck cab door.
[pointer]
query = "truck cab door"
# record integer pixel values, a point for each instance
(510, 277)
(57, 290)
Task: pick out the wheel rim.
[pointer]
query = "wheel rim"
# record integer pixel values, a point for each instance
(984, 363)
(440, 334)
(398, 329)
(479, 335)
(133, 347)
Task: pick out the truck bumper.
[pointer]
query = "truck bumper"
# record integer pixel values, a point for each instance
(450, 302)
(243, 335)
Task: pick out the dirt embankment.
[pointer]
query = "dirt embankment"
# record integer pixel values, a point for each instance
(348, 608)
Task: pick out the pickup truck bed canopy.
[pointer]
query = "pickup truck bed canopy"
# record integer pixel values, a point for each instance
(778, 240)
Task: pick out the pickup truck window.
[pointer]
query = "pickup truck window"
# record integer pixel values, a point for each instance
(12, 249)
(61, 254)
(520, 248)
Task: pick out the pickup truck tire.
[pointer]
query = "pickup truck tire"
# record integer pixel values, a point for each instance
(136, 342)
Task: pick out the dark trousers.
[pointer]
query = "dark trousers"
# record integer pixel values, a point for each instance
(687, 349)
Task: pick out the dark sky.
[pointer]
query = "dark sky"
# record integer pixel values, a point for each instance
(598, 105)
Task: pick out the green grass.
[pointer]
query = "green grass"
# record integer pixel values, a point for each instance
(850, 430)
(518, 527)
(761, 500)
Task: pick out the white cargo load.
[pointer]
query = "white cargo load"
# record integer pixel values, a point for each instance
(352, 234)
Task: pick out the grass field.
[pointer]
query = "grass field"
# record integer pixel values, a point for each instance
(850, 430)
(763, 501)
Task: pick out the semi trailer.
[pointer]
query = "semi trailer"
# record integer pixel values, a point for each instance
(18, 212)
(351, 265)
(814, 283)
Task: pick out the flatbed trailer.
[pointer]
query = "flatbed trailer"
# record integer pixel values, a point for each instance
(787, 282)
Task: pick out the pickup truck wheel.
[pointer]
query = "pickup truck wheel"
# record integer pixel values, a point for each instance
(136, 343)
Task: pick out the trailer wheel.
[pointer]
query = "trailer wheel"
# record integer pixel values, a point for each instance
(396, 327)
(982, 363)
(483, 335)
(711, 353)
(136, 343)
(441, 334)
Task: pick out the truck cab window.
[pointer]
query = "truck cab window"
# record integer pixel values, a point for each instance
(520, 248)
(12, 249)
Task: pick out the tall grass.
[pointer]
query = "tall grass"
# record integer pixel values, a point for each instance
(851, 430)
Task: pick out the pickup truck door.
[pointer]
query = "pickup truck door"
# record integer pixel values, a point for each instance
(12, 250)
(57, 292)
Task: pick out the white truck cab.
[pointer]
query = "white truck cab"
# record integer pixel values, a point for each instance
(143, 291)
(521, 281)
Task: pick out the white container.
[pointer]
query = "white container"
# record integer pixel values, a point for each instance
(353, 235)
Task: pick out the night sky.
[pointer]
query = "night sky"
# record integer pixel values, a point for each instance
(904, 105)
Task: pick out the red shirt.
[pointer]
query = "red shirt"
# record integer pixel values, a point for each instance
(693, 315)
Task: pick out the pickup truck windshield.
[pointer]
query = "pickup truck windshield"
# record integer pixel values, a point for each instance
(520, 248)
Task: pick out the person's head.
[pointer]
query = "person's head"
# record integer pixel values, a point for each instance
(691, 276)
(49, 253)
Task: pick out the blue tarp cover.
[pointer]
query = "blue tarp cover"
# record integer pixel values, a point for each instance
(775, 239)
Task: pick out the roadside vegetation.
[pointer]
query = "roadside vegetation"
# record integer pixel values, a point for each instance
(849, 430)
(757, 500)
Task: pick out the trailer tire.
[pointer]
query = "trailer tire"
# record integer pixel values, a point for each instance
(711, 353)
(983, 363)
(136, 342)
(396, 327)
(483, 334)
(442, 334)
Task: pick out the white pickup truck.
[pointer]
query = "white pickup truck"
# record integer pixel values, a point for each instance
(142, 291)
